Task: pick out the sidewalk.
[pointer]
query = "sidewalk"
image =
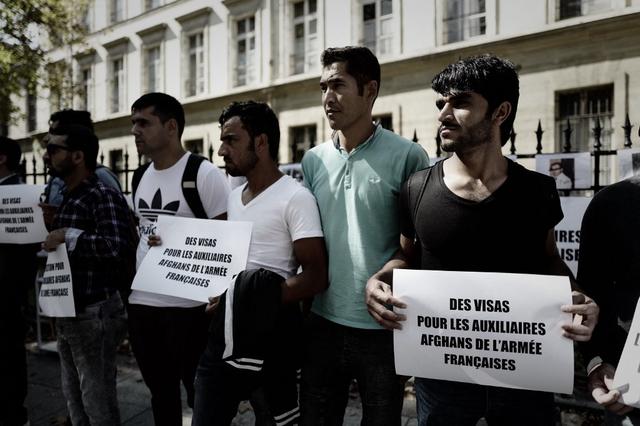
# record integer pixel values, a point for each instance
(46, 404)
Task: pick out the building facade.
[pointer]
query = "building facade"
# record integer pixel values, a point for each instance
(579, 61)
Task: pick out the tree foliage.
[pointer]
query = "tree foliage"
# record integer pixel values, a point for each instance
(29, 31)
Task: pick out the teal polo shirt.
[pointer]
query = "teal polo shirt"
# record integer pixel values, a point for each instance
(357, 196)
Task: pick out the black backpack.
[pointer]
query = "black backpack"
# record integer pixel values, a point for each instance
(189, 184)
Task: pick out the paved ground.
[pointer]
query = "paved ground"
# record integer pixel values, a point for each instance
(47, 407)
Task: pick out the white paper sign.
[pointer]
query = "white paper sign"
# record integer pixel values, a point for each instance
(21, 220)
(197, 258)
(570, 170)
(567, 232)
(56, 292)
(485, 328)
(627, 378)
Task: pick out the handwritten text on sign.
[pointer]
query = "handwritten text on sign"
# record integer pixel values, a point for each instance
(627, 378)
(197, 258)
(56, 291)
(485, 328)
(21, 219)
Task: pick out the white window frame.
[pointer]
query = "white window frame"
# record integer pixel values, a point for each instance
(200, 70)
(193, 24)
(121, 80)
(159, 69)
(87, 87)
(310, 139)
(114, 17)
(310, 55)
(390, 21)
(148, 4)
(251, 68)
(465, 19)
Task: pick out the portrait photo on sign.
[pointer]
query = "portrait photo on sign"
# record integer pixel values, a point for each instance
(628, 163)
(569, 170)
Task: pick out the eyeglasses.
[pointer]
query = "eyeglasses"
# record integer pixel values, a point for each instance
(52, 148)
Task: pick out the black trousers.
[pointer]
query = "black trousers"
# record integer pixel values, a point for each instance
(167, 343)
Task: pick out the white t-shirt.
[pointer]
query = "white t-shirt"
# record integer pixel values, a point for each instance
(160, 193)
(281, 214)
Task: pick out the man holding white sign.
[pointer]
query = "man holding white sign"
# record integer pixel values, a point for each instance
(169, 333)
(95, 223)
(609, 269)
(17, 272)
(477, 211)
(286, 235)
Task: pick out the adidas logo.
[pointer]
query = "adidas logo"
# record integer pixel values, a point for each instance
(156, 209)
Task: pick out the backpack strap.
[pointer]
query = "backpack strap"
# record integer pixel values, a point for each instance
(190, 187)
(135, 180)
(415, 188)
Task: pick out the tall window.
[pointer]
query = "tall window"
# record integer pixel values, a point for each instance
(32, 118)
(152, 4)
(377, 26)
(116, 84)
(195, 81)
(86, 89)
(464, 19)
(305, 36)
(245, 51)
(195, 145)
(566, 9)
(582, 108)
(117, 10)
(153, 69)
(303, 138)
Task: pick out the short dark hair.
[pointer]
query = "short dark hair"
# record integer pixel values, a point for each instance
(12, 150)
(495, 79)
(359, 62)
(80, 138)
(257, 118)
(66, 117)
(165, 107)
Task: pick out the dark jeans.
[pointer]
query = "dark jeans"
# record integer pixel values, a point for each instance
(334, 356)
(167, 343)
(629, 419)
(87, 347)
(444, 403)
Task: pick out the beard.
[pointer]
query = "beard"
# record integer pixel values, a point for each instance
(469, 137)
(249, 163)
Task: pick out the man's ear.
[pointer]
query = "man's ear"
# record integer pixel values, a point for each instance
(172, 125)
(77, 157)
(261, 143)
(502, 112)
(371, 90)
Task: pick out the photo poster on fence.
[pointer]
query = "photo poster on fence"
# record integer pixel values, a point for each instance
(567, 232)
(21, 220)
(198, 258)
(56, 291)
(294, 170)
(570, 170)
(628, 163)
(627, 377)
(491, 329)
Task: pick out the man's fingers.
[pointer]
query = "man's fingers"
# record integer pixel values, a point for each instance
(604, 397)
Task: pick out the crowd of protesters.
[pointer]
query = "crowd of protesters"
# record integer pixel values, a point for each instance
(335, 240)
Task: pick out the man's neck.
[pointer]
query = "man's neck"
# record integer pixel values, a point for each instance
(76, 177)
(356, 134)
(260, 178)
(475, 174)
(167, 157)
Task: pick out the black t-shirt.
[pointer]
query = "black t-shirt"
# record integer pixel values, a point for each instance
(505, 232)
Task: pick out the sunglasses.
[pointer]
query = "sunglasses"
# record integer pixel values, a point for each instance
(53, 148)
